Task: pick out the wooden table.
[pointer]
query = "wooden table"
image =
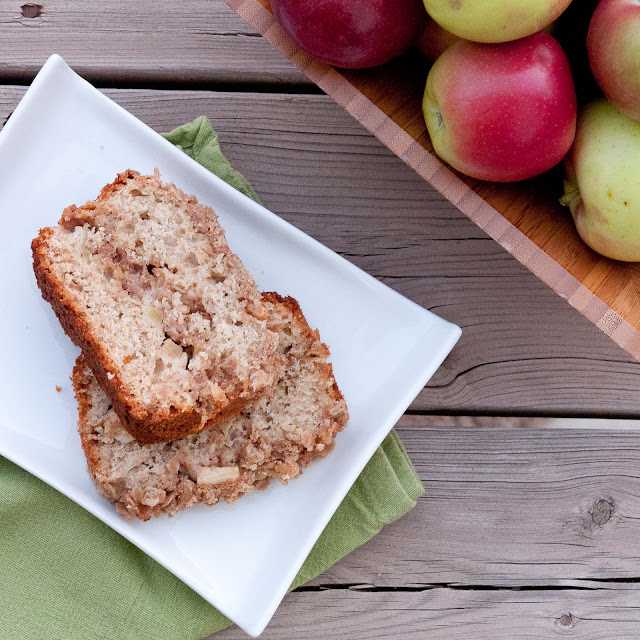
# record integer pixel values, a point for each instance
(526, 439)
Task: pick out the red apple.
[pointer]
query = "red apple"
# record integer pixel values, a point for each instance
(613, 44)
(434, 40)
(351, 34)
(501, 112)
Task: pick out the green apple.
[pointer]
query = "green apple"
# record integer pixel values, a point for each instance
(602, 182)
(494, 20)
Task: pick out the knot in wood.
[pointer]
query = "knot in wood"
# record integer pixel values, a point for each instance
(601, 511)
(566, 621)
(31, 10)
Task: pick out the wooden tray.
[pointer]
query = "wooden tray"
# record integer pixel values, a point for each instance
(525, 218)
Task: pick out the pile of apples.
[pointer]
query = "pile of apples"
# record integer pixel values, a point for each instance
(500, 100)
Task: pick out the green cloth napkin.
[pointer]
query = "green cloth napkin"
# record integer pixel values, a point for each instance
(64, 575)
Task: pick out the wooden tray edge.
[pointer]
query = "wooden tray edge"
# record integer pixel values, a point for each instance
(431, 169)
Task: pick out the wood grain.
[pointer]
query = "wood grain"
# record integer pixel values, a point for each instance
(118, 42)
(523, 349)
(520, 534)
(509, 508)
(448, 614)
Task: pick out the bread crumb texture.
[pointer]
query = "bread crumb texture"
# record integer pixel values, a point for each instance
(168, 318)
(273, 437)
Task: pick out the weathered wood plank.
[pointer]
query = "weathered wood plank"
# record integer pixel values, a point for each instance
(511, 508)
(115, 42)
(503, 508)
(447, 614)
(523, 350)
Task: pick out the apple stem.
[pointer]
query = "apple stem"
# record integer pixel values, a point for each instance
(571, 198)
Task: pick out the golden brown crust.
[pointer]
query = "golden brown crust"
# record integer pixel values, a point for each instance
(160, 426)
(142, 426)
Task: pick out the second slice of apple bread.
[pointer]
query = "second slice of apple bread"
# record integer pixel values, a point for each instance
(168, 318)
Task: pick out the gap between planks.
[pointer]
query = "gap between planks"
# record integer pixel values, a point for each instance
(576, 585)
(412, 420)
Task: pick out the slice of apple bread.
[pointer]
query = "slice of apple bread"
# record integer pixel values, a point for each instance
(273, 437)
(168, 318)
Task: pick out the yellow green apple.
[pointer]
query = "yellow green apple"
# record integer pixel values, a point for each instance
(494, 20)
(602, 181)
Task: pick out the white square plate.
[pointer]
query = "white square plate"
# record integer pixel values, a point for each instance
(62, 144)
